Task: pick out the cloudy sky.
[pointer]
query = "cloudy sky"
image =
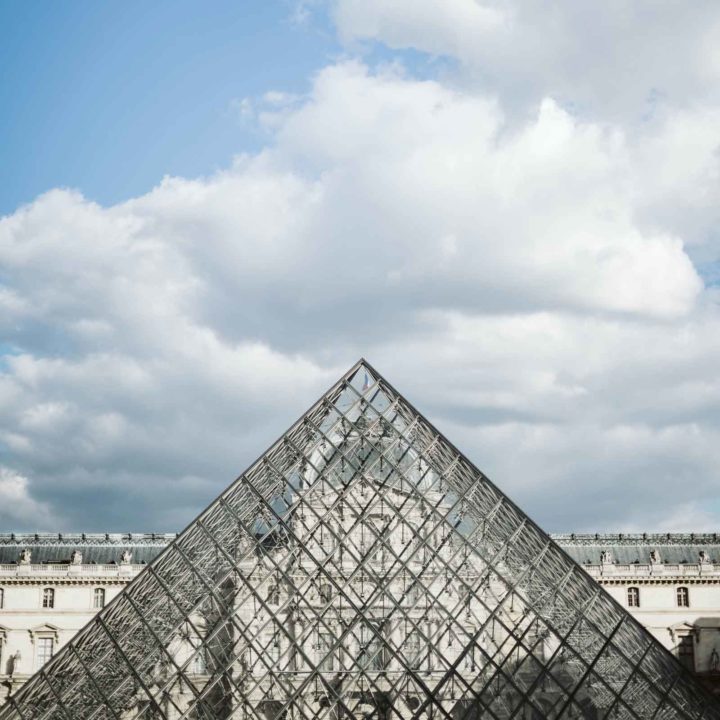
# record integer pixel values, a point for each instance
(209, 211)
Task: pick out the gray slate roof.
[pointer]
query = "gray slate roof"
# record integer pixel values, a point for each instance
(96, 548)
(104, 549)
(628, 549)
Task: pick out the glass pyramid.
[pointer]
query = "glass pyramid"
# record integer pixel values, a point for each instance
(362, 568)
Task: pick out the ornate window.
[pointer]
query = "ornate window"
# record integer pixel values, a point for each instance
(48, 598)
(99, 598)
(633, 597)
(683, 597)
(45, 648)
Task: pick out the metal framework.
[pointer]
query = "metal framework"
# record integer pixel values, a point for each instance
(362, 567)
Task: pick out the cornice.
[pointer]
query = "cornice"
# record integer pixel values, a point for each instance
(669, 580)
(630, 539)
(21, 540)
(68, 574)
(96, 580)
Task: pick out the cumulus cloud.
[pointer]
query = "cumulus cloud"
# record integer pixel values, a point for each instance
(533, 281)
(16, 504)
(612, 59)
(649, 69)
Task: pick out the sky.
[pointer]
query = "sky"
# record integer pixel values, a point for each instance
(210, 211)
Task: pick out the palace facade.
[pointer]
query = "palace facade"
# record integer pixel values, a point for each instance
(52, 585)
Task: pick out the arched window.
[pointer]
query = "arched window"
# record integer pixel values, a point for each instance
(683, 597)
(2, 598)
(633, 597)
(48, 598)
(99, 598)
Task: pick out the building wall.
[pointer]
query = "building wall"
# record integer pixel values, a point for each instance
(656, 566)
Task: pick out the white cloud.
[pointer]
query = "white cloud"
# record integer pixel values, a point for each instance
(610, 59)
(525, 278)
(17, 505)
(649, 68)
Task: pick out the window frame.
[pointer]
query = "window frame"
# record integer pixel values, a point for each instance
(633, 596)
(685, 651)
(48, 598)
(682, 591)
(41, 641)
(99, 592)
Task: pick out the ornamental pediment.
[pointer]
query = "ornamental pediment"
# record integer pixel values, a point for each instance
(44, 629)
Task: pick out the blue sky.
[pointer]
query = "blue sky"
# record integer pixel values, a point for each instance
(209, 211)
(110, 97)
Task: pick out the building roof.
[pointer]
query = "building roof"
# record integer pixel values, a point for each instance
(106, 548)
(628, 549)
(96, 548)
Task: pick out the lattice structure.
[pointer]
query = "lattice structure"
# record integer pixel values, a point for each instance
(362, 567)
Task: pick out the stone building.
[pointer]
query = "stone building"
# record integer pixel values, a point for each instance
(669, 582)
(52, 585)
